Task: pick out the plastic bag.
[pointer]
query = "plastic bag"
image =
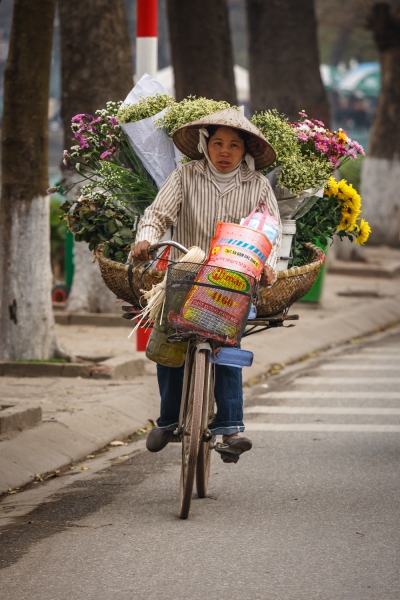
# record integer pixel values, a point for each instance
(262, 221)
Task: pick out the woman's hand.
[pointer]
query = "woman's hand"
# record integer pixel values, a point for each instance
(268, 277)
(140, 251)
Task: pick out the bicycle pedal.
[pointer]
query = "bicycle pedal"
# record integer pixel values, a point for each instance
(229, 459)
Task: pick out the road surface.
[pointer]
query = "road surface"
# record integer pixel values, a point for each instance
(311, 513)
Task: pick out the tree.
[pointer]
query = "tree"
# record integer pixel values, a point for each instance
(201, 49)
(26, 317)
(283, 58)
(96, 67)
(381, 168)
(341, 31)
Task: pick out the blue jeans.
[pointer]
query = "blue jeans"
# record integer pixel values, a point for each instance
(228, 395)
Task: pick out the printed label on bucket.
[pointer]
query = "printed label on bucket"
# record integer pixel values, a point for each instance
(239, 248)
(220, 311)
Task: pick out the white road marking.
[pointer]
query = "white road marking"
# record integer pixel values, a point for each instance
(392, 357)
(346, 380)
(358, 367)
(321, 410)
(323, 427)
(333, 394)
(382, 350)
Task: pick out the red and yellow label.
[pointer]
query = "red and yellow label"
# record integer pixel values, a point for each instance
(229, 279)
(221, 299)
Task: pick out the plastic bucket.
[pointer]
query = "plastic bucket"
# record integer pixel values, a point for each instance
(314, 295)
(288, 231)
(142, 337)
(239, 248)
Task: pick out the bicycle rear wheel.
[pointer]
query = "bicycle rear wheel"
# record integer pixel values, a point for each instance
(204, 457)
(192, 421)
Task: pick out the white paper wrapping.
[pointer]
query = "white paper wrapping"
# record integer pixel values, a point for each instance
(291, 206)
(152, 146)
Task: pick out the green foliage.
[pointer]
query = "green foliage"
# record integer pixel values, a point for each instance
(42, 360)
(99, 220)
(321, 223)
(188, 110)
(58, 230)
(145, 108)
(351, 170)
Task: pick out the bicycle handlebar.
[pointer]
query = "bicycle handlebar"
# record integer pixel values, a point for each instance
(155, 247)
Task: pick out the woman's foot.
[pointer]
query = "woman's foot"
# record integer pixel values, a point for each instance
(158, 438)
(233, 447)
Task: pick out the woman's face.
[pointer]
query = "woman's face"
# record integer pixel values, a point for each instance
(226, 149)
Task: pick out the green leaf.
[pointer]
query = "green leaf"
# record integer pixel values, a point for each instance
(125, 233)
(112, 226)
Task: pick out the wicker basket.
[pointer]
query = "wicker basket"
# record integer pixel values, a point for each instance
(291, 285)
(126, 282)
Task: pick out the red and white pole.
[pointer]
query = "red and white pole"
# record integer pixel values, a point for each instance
(146, 38)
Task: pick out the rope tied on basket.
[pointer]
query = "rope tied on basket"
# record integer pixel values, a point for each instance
(156, 296)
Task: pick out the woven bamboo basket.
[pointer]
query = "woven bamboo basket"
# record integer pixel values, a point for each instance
(126, 282)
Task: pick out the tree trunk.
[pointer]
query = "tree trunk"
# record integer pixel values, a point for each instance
(340, 46)
(283, 59)
(26, 318)
(96, 67)
(381, 168)
(201, 49)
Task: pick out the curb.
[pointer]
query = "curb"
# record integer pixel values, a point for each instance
(98, 319)
(118, 367)
(341, 267)
(52, 445)
(17, 417)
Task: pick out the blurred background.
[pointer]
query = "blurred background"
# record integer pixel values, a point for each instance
(349, 68)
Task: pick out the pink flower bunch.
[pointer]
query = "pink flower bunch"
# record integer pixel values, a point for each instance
(67, 160)
(334, 145)
(101, 135)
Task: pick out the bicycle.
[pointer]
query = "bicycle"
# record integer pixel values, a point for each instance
(198, 403)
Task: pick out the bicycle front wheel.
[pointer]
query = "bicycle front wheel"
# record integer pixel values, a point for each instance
(204, 457)
(192, 424)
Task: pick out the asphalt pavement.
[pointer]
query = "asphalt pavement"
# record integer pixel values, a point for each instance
(312, 512)
(68, 418)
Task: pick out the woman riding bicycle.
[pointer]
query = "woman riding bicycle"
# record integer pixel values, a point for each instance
(221, 183)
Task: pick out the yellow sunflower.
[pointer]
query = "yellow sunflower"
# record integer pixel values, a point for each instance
(353, 208)
(347, 223)
(331, 188)
(363, 232)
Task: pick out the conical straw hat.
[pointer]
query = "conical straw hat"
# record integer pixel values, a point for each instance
(186, 138)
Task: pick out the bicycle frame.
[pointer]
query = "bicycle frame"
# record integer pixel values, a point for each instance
(197, 401)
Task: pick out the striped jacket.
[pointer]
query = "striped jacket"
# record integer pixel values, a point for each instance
(192, 201)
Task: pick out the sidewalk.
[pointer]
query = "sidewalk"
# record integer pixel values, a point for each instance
(82, 415)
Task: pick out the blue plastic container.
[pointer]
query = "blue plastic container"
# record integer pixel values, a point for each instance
(233, 357)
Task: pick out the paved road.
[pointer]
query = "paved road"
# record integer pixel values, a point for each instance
(311, 513)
